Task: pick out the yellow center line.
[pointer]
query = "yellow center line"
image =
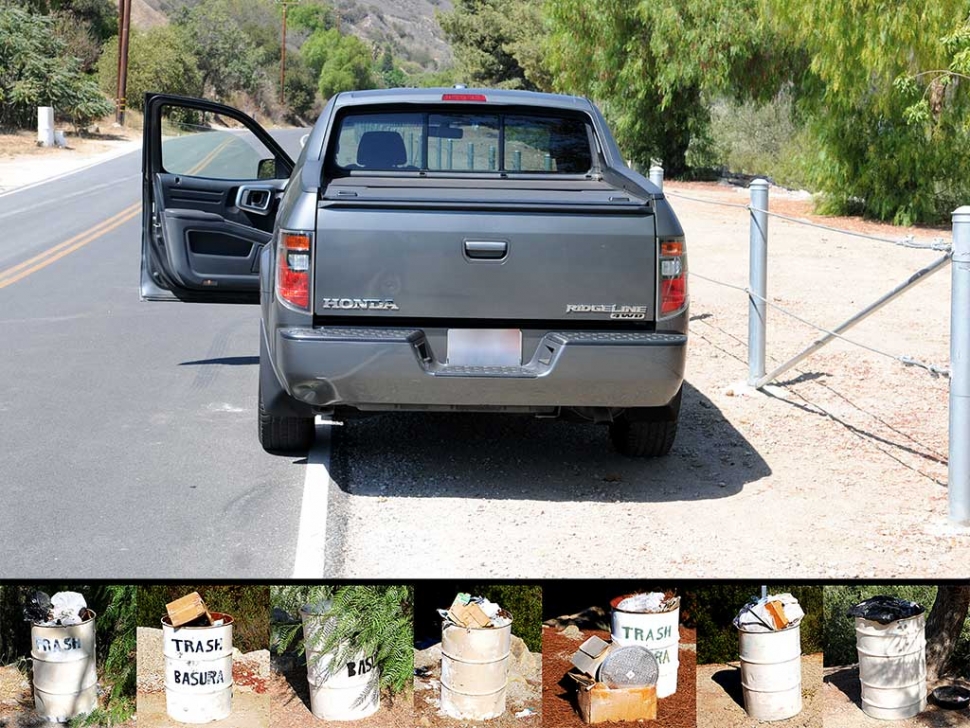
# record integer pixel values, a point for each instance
(56, 252)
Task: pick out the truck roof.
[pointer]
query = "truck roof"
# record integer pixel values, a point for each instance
(435, 96)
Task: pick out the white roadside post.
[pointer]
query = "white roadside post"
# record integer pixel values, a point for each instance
(45, 126)
(757, 280)
(959, 452)
(657, 176)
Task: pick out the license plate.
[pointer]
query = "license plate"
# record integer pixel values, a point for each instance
(485, 347)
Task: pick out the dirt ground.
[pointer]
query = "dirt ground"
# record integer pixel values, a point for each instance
(675, 711)
(720, 703)
(843, 705)
(290, 703)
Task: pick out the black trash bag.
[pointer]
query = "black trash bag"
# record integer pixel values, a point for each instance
(38, 607)
(885, 609)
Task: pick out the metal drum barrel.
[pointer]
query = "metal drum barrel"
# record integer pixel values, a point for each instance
(348, 691)
(198, 670)
(659, 632)
(65, 672)
(892, 667)
(771, 673)
(474, 670)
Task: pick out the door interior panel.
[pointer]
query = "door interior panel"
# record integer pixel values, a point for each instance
(214, 195)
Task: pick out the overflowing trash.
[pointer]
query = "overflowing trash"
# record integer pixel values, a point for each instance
(769, 614)
(475, 612)
(191, 611)
(64, 609)
(885, 609)
(649, 603)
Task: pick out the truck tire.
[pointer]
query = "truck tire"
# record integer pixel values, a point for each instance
(647, 433)
(284, 435)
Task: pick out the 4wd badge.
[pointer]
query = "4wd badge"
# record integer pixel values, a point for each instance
(615, 310)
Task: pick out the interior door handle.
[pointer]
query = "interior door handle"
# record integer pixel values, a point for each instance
(255, 198)
(486, 249)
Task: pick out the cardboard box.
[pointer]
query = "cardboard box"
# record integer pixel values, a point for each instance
(187, 609)
(591, 654)
(601, 704)
(468, 615)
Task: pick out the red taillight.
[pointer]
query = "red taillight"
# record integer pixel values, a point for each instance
(463, 97)
(673, 275)
(293, 269)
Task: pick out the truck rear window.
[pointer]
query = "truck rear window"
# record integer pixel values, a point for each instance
(463, 142)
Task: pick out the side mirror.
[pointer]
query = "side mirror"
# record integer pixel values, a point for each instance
(266, 169)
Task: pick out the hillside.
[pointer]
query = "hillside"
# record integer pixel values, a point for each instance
(408, 26)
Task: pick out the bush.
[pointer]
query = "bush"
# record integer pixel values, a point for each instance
(715, 608)
(35, 70)
(249, 606)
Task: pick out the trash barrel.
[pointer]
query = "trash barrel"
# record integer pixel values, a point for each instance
(198, 670)
(64, 667)
(349, 691)
(771, 673)
(657, 631)
(474, 670)
(892, 666)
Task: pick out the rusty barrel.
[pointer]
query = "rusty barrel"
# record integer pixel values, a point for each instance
(348, 690)
(474, 670)
(64, 667)
(198, 670)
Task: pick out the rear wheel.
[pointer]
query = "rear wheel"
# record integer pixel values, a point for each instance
(281, 435)
(648, 432)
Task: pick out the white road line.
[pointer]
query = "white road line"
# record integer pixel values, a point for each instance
(311, 543)
(109, 156)
(61, 198)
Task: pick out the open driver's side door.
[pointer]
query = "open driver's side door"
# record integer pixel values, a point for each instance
(212, 180)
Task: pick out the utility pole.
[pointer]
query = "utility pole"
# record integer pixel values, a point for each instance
(285, 4)
(124, 25)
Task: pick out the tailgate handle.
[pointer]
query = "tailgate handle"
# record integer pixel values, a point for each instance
(486, 249)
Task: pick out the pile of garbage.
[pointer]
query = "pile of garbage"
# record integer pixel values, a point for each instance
(769, 614)
(885, 609)
(649, 603)
(599, 660)
(64, 609)
(475, 612)
(191, 611)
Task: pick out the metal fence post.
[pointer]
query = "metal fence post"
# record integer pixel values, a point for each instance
(757, 280)
(657, 176)
(959, 451)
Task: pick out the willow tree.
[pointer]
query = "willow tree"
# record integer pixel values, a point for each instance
(891, 140)
(654, 64)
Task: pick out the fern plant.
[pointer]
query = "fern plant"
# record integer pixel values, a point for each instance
(374, 620)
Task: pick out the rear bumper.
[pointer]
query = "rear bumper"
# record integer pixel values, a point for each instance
(388, 368)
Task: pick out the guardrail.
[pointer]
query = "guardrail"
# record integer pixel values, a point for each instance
(957, 253)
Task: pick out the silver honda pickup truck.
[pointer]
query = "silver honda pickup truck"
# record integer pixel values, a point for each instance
(432, 250)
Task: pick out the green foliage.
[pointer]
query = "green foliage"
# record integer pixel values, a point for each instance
(312, 16)
(525, 605)
(887, 138)
(301, 87)
(159, 60)
(391, 75)
(497, 44)
(714, 609)
(840, 628)
(248, 605)
(35, 71)
(434, 79)
(376, 620)
(347, 66)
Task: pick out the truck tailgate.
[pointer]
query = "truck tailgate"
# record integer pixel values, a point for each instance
(457, 254)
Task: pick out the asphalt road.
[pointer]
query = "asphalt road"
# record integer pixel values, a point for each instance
(128, 430)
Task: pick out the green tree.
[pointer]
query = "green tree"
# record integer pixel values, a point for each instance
(653, 64)
(312, 16)
(301, 87)
(35, 70)
(497, 44)
(391, 75)
(348, 67)
(890, 143)
(159, 59)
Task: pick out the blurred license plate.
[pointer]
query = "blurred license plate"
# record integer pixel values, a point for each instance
(485, 347)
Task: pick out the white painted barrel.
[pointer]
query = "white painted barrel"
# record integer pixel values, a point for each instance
(65, 672)
(771, 673)
(658, 632)
(45, 126)
(198, 670)
(346, 691)
(474, 670)
(892, 667)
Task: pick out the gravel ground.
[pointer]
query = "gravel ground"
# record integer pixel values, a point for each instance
(720, 703)
(843, 705)
(675, 711)
(842, 465)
